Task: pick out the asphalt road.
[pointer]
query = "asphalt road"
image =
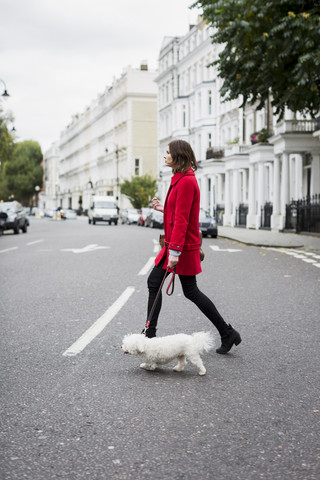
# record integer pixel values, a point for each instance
(96, 415)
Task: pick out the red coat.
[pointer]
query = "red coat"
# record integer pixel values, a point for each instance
(181, 223)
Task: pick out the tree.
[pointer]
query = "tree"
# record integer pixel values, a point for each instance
(6, 153)
(139, 190)
(24, 171)
(270, 47)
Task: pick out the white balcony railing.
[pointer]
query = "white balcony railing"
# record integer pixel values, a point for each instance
(295, 126)
(236, 149)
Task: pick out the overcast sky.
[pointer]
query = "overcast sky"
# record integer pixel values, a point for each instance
(56, 56)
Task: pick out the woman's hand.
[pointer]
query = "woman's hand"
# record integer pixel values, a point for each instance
(157, 205)
(172, 261)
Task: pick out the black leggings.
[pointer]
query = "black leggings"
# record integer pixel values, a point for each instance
(190, 290)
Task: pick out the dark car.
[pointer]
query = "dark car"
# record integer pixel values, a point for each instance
(207, 224)
(143, 215)
(154, 219)
(16, 217)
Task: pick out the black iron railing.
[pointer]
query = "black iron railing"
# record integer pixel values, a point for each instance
(241, 215)
(266, 212)
(304, 215)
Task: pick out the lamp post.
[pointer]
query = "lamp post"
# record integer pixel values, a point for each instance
(5, 93)
(37, 190)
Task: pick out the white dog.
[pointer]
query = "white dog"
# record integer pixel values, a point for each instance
(160, 350)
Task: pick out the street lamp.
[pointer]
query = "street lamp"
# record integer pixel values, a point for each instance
(37, 190)
(5, 93)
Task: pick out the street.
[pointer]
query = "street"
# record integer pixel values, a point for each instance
(85, 410)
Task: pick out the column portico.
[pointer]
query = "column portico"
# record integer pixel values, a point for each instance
(284, 199)
(227, 211)
(275, 218)
(251, 217)
(235, 196)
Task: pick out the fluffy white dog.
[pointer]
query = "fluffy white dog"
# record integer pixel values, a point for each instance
(161, 350)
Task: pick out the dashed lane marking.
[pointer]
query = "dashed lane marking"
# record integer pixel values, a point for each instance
(33, 243)
(99, 324)
(147, 266)
(307, 257)
(8, 249)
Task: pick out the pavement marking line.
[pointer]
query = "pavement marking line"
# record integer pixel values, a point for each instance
(88, 248)
(215, 248)
(156, 246)
(99, 324)
(296, 254)
(36, 241)
(8, 249)
(147, 266)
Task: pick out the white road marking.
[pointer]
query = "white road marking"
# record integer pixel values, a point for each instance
(36, 241)
(156, 246)
(8, 249)
(215, 248)
(99, 324)
(300, 254)
(88, 248)
(147, 266)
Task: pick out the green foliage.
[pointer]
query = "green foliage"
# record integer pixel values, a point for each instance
(268, 47)
(139, 190)
(24, 171)
(6, 153)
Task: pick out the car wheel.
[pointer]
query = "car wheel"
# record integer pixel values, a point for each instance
(16, 229)
(93, 221)
(116, 222)
(24, 228)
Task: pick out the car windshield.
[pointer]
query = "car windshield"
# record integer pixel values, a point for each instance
(104, 205)
(204, 214)
(6, 207)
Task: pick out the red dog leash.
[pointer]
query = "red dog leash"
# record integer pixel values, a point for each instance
(171, 284)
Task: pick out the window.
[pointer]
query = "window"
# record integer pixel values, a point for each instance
(209, 140)
(184, 116)
(209, 102)
(137, 167)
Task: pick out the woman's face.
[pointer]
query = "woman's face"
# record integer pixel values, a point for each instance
(168, 158)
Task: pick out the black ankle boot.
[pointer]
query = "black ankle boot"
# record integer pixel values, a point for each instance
(151, 332)
(229, 338)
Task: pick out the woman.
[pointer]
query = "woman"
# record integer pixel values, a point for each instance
(182, 242)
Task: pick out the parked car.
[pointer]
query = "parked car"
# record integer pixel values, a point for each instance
(207, 224)
(16, 217)
(70, 214)
(129, 216)
(154, 219)
(144, 212)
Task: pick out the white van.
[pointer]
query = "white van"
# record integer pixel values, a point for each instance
(103, 209)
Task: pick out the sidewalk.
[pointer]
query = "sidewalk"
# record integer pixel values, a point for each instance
(267, 238)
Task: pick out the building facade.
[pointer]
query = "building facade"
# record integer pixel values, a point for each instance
(251, 165)
(114, 139)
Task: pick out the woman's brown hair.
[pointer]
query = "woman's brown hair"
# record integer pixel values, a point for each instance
(183, 156)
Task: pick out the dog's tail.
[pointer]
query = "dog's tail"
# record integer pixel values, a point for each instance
(204, 341)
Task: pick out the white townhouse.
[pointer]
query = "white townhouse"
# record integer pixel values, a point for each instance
(245, 179)
(114, 139)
